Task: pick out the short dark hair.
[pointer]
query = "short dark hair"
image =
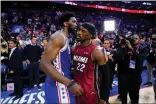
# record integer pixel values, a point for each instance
(14, 40)
(66, 17)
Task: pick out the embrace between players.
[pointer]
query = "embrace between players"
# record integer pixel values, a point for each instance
(60, 87)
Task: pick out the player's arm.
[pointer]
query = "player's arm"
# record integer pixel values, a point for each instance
(56, 42)
(99, 59)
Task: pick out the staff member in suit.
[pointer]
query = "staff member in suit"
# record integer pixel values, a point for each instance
(15, 67)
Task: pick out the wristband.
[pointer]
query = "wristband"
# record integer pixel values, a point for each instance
(71, 84)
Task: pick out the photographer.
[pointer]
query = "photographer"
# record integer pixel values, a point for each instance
(151, 62)
(130, 63)
(121, 58)
(149, 66)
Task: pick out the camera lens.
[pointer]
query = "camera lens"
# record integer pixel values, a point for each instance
(123, 41)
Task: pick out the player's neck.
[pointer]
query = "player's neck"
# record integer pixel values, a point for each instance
(66, 32)
(86, 43)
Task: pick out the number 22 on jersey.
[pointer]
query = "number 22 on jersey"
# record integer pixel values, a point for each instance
(80, 67)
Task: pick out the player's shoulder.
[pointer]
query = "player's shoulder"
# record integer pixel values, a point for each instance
(97, 54)
(98, 49)
(57, 37)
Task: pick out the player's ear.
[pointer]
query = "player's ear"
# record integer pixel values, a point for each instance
(90, 36)
(65, 24)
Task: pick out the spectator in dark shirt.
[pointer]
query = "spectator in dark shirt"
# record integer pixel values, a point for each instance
(32, 53)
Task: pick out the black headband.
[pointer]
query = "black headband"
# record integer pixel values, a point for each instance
(90, 27)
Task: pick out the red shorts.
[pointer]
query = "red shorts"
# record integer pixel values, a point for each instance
(88, 98)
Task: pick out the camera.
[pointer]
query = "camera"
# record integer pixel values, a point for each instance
(123, 41)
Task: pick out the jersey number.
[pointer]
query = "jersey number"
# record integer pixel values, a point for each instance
(80, 67)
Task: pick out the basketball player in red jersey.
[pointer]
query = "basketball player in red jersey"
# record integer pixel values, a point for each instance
(86, 56)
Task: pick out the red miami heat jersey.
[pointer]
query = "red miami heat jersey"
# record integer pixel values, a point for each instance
(84, 67)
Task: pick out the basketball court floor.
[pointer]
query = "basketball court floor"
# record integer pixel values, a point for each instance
(146, 96)
(38, 96)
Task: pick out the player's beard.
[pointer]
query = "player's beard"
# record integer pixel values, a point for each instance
(73, 32)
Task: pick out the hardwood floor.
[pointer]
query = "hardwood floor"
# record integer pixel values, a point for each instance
(146, 96)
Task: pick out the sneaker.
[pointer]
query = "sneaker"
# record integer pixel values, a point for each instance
(148, 84)
(39, 87)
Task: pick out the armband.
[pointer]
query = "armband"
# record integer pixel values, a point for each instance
(71, 84)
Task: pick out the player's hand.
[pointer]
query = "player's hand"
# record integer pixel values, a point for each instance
(76, 89)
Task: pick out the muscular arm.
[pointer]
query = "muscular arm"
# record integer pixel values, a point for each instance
(50, 53)
(98, 57)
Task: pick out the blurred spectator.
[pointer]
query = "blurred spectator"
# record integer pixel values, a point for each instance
(32, 53)
(53, 28)
(29, 21)
(43, 44)
(40, 37)
(4, 56)
(111, 64)
(28, 40)
(21, 43)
